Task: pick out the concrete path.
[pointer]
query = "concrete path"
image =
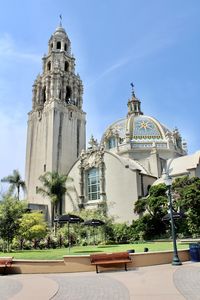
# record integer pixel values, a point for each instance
(156, 282)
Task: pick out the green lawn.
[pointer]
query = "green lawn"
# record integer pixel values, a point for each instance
(78, 250)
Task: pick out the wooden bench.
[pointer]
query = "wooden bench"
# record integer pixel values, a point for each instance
(5, 262)
(110, 259)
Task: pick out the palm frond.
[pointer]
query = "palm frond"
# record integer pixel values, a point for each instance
(54, 186)
(15, 182)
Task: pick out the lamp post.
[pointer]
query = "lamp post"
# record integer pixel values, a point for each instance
(175, 261)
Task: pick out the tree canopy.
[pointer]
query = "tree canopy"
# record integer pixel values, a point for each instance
(11, 211)
(32, 226)
(186, 199)
(155, 203)
(54, 187)
(151, 208)
(15, 181)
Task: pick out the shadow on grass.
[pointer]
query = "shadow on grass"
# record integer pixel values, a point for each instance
(109, 246)
(88, 251)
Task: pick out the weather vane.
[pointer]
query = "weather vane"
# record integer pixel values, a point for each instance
(133, 92)
(60, 20)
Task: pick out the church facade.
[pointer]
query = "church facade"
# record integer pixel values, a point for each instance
(130, 157)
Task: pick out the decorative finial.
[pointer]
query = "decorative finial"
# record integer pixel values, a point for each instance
(60, 20)
(92, 142)
(133, 92)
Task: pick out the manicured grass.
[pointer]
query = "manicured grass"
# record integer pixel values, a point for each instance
(78, 250)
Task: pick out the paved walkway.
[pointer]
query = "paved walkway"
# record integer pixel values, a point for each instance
(146, 283)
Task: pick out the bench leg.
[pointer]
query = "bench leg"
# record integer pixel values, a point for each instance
(97, 271)
(125, 267)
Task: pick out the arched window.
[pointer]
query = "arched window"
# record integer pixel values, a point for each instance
(49, 66)
(68, 94)
(65, 47)
(162, 164)
(58, 46)
(78, 102)
(51, 45)
(44, 94)
(111, 142)
(120, 140)
(66, 66)
(93, 184)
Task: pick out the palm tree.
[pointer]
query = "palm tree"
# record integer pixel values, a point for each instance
(15, 182)
(54, 188)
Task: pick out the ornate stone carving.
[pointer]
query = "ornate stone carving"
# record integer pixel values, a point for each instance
(177, 139)
(168, 136)
(92, 157)
(92, 142)
(112, 132)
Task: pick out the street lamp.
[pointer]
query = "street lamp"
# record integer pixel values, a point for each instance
(175, 261)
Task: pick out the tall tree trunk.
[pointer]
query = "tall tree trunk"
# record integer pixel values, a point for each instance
(60, 206)
(52, 214)
(18, 190)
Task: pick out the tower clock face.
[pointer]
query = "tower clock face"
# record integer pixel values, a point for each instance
(145, 128)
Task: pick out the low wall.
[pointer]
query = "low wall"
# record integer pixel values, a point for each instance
(158, 258)
(81, 263)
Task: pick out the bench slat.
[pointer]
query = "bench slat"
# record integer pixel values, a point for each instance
(111, 262)
(110, 258)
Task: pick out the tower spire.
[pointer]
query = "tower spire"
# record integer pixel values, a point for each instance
(60, 20)
(132, 89)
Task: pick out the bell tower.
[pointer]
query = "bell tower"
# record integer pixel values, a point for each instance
(56, 123)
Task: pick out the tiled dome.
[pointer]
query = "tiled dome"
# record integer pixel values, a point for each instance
(140, 131)
(138, 128)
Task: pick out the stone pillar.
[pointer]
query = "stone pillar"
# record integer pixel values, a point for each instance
(39, 93)
(34, 94)
(64, 89)
(52, 85)
(57, 86)
(47, 88)
(102, 181)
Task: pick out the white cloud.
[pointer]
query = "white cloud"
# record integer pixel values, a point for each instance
(143, 48)
(9, 49)
(120, 63)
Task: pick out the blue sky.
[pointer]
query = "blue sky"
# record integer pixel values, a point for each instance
(154, 44)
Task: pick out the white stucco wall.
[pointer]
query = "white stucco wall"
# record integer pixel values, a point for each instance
(122, 188)
(198, 171)
(51, 141)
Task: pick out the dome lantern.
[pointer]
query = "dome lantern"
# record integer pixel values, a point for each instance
(134, 104)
